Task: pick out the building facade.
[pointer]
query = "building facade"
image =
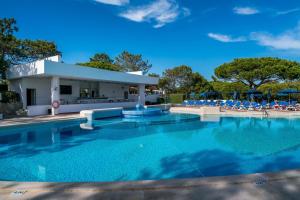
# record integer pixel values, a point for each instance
(51, 86)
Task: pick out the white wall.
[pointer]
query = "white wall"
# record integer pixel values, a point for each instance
(38, 110)
(25, 70)
(136, 73)
(15, 85)
(56, 58)
(30, 69)
(43, 89)
(151, 98)
(75, 90)
(42, 86)
(75, 108)
(112, 90)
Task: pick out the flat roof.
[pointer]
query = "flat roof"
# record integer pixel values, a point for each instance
(51, 67)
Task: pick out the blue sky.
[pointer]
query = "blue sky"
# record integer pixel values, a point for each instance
(200, 33)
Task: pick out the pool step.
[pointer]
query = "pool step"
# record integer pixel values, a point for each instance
(101, 113)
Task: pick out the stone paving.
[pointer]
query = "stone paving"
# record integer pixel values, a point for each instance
(205, 110)
(282, 185)
(37, 119)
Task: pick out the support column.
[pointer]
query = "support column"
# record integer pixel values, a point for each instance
(23, 94)
(142, 94)
(55, 95)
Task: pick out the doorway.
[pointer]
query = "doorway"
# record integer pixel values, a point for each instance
(31, 97)
(126, 95)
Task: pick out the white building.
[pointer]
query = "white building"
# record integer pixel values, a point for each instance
(49, 82)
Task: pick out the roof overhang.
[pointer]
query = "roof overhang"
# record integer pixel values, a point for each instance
(48, 68)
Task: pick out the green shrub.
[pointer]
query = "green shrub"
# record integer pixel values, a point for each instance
(10, 97)
(176, 98)
(3, 87)
(160, 100)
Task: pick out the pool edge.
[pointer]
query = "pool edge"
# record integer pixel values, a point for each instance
(249, 180)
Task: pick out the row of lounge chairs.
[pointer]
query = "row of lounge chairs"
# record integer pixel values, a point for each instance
(200, 103)
(245, 105)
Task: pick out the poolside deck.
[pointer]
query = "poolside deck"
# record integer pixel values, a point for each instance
(206, 110)
(37, 119)
(282, 185)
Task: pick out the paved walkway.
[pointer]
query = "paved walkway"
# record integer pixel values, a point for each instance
(37, 119)
(192, 110)
(283, 185)
(223, 112)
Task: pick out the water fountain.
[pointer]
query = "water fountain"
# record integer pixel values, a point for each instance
(140, 111)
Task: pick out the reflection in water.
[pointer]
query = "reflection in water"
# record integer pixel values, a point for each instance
(29, 141)
(10, 139)
(269, 123)
(241, 134)
(261, 136)
(51, 138)
(210, 118)
(115, 149)
(41, 172)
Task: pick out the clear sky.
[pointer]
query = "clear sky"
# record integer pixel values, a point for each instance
(200, 33)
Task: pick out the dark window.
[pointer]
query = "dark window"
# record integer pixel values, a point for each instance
(65, 89)
(31, 97)
(3, 88)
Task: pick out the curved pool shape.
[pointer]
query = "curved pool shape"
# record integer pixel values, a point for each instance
(163, 147)
(135, 112)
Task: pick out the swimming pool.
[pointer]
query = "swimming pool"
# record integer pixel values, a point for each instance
(164, 147)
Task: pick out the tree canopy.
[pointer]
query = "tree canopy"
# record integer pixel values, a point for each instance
(254, 72)
(227, 88)
(182, 79)
(274, 88)
(101, 65)
(125, 62)
(153, 75)
(132, 62)
(101, 61)
(15, 51)
(101, 57)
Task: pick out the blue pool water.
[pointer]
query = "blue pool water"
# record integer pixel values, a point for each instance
(163, 147)
(141, 112)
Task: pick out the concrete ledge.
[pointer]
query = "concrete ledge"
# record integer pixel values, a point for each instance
(20, 121)
(281, 185)
(101, 113)
(163, 107)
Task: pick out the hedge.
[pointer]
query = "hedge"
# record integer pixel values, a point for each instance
(3, 87)
(176, 98)
(10, 97)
